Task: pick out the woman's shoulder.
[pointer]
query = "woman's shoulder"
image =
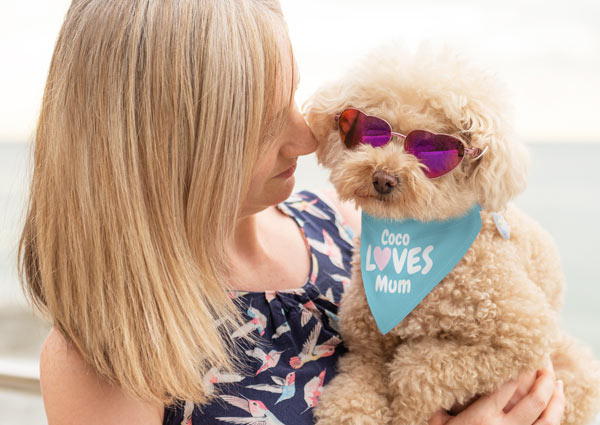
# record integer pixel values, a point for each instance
(71, 388)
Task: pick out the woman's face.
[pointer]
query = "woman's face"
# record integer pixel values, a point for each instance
(273, 181)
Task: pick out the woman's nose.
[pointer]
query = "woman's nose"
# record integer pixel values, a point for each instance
(302, 141)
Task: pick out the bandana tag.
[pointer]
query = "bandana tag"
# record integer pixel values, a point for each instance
(501, 225)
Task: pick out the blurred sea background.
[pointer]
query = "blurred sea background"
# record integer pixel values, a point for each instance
(563, 195)
(547, 52)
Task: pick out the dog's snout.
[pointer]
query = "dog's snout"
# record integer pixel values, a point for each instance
(383, 182)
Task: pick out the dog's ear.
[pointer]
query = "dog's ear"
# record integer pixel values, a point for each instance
(501, 173)
(473, 99)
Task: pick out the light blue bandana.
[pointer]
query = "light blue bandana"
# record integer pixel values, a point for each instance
(401, 261)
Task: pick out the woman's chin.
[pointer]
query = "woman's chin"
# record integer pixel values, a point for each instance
(278, 190)
(288, 186)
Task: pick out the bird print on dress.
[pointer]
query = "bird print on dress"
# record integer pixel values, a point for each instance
(281, 329)
(343, 228)
(345, 231)
(328, 296)
(261, 415)
(329, 248)
(289, 366)
(215, 376)
(188, 410)
(308, 310)
(313, 390)
(334, 321)
(233, 294)
(310, 208)
(315, 269)
(344, 280)
(258, 322)
(268, 360)
(311, 351)
(286, 387)
(299, 196)
(288, 211)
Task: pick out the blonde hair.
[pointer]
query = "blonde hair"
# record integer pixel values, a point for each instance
(152, 118)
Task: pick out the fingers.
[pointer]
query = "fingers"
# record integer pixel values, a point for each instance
(488, 406)
(501, 396)
(550, 368)
(554, 412)
(525, 382)
(533, 398)
(533, 404)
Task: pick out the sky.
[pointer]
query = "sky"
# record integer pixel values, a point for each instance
(547, 52)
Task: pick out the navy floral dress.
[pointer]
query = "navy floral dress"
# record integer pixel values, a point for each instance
(300, 343)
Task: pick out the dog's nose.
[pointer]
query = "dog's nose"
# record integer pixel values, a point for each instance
(383, 182)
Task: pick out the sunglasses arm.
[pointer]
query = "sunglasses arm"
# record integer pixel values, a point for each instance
(476, 153)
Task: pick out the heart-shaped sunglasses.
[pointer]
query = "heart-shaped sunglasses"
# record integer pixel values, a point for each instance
(441, 153)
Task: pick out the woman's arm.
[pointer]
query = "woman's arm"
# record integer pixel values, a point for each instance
(73, 393)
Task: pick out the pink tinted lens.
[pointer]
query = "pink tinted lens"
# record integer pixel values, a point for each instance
(357, 128)
(441, 153)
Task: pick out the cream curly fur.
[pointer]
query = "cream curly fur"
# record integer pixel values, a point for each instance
(497, 312)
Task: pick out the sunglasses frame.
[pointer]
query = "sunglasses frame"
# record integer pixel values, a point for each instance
(474, 152)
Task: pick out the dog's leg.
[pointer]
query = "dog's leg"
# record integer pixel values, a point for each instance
(432, 374)
(357, 395)
(575, 365)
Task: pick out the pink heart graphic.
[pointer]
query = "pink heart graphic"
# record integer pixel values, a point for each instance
(382, 256)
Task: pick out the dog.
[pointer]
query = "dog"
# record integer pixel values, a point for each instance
(496, 312)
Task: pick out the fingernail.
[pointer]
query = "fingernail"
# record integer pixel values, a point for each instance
(560, 384)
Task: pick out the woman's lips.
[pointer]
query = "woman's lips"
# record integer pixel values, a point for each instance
(287, 173)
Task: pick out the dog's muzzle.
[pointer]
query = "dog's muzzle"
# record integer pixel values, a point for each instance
(384, 183)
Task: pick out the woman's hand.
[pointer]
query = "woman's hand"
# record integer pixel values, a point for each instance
(531, 399)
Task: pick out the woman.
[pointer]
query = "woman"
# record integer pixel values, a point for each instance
(161, 239)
